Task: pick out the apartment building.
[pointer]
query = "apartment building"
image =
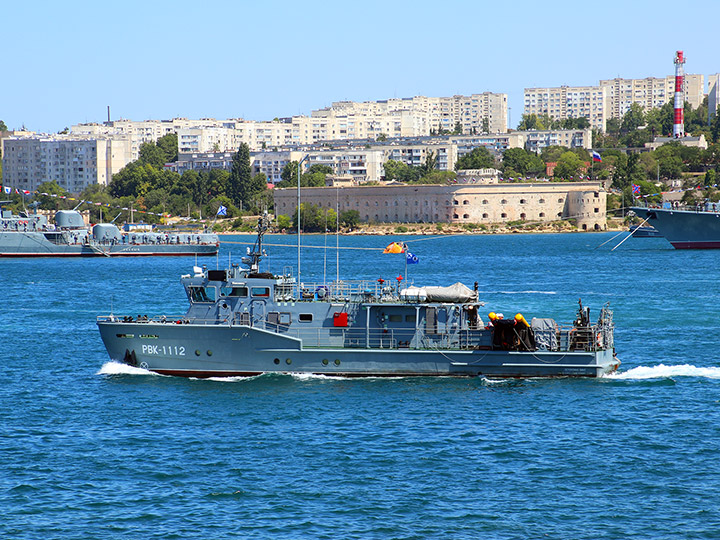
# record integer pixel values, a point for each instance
(73, 162)
(713, 95)
(564, 102)
(650, 93)
(476, 113)
(145, 130)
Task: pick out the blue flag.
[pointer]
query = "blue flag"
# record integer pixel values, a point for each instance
(411, 259)
(222, 211)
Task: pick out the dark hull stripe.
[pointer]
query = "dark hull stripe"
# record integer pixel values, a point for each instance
(208, 374)
(696, 245)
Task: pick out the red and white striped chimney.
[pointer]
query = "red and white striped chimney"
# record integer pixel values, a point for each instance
(679, 121)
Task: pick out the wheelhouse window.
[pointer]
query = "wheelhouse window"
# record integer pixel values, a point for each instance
(305, 317)
(202, 294)
(262, 292)
(241, 292)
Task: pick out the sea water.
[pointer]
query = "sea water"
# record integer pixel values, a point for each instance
(92, 449)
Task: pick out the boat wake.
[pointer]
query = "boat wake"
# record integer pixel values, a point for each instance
(118, 368)
(664, 372)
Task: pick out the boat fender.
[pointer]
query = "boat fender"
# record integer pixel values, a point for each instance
(598, 339)
(520, 319)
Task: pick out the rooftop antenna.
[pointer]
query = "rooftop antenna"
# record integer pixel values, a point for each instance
(108, 113)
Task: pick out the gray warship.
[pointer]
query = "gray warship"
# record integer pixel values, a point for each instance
(244, 322)
(28, 234)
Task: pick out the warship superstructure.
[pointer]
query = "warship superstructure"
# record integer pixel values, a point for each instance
(28, 234)
(244, 322)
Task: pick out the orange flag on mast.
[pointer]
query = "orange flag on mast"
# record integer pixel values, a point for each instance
(394, 248)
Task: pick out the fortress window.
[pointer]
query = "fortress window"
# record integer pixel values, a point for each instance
(522, 201)
(597, 210)
(466, 216)
(541, 201)
(466, 202)
(455, 202)
(560, 200)
(522, 216)
(485, 201)
(559, 214)
(485, 216)
(503, 215)
(504, 201)
(455, 216)
(542, 214)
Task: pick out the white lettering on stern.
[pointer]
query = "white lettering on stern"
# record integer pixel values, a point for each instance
(163, 350)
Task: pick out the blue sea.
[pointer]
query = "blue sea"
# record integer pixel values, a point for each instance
(90, 449)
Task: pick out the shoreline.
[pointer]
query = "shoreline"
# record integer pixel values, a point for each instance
(405, 229)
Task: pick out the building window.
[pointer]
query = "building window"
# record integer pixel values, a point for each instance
(466, 202)
(466, 216)
(503, 215)
(542, 214)
(504, 201)
(485, 216)
(522, 201)
(485, 201)
(542, 201)
(597, 210)
(522, 216)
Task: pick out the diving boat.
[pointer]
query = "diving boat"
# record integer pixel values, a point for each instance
(245, 322)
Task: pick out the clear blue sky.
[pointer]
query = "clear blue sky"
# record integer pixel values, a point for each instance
(64, 62)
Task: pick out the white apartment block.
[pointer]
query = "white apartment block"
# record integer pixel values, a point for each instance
(564, 102)
(146, 130)
(651, 92)
(472, 112)
(73, 162)
(713, 95)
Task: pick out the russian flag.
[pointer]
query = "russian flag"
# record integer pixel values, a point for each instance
(596, 156)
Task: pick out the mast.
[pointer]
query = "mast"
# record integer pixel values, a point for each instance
(253, 257)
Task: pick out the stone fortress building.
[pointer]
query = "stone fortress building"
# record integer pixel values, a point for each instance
(481, 203)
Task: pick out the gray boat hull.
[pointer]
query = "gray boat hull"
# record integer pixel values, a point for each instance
(197, 350)
(35, 244)
(684, 229)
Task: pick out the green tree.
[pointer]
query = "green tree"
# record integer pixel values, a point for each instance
(168, 144)
(239, 183)
(568, 165)
(458, 129)
(3, 127)
(151, 154)
(633, 118)
(479, 158)
(430, 164)
(350, 218)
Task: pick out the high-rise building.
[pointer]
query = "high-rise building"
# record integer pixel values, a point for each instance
(650, 93)
(73, 162)
(713, 95)
(565, 102)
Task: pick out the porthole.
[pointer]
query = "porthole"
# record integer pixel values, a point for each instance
(337, 362)
(325, 362)
(276, 361)
(288, 361)
(197, 352)
(209, 353)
